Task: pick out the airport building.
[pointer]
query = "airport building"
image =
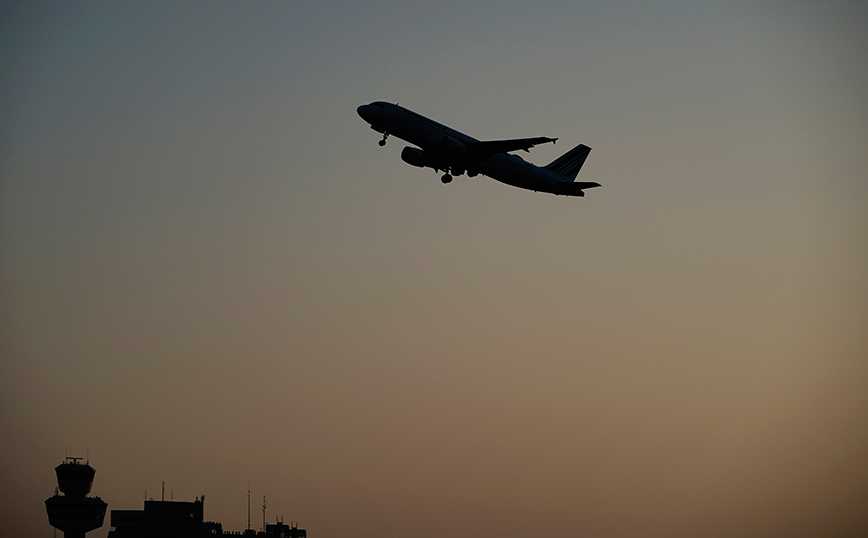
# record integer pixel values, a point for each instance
(76, 514)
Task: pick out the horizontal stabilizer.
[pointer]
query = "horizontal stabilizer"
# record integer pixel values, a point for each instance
(571, 188)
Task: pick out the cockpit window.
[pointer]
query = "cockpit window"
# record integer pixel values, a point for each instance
(379, 105)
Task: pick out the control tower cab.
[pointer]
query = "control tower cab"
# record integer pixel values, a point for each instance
(74, 512)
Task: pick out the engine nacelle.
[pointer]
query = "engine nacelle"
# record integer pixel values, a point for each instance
(452, 148)
(416, 157)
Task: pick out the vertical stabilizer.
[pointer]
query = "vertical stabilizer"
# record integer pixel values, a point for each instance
(569, 164)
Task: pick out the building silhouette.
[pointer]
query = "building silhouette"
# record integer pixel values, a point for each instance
(74, 512)
(280, 530)
(182, 519)
(164, 519)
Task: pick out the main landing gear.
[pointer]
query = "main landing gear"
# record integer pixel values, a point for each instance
(446, 179)
(383, 141)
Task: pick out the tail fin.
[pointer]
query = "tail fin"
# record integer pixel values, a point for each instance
(571, 162)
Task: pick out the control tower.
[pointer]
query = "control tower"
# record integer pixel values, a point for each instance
(74, 512)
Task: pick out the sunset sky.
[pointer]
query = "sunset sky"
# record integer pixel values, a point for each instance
(212, 276)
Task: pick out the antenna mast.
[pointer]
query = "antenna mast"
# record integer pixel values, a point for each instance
(248, 506)
(264, 504)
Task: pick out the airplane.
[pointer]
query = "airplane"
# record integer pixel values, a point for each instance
(446, 150)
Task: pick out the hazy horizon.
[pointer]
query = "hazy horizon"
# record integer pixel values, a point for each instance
(211, 274)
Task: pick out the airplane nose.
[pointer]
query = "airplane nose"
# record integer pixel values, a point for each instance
(369, 113)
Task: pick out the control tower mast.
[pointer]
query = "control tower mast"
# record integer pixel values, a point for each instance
(74, 512)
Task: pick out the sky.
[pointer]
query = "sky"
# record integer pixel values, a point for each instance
(212, 276)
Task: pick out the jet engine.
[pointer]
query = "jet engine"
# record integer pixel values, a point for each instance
(416, 157)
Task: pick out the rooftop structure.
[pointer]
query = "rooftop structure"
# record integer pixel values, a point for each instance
(167, 519)
(182, 519)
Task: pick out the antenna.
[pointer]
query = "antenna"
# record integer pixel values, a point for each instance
(248, 505)
(163, 493)
(264, 504)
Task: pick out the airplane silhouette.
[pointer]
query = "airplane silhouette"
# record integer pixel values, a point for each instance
(446, 150)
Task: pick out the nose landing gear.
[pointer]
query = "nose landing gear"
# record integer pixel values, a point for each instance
(446, 179)
(383, 141)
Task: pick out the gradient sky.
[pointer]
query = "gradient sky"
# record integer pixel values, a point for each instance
(212, 276)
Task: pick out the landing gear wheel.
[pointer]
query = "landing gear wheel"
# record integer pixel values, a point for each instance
(446, 179)
(383, 141)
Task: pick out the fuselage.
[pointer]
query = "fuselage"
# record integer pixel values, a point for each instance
(442, 148)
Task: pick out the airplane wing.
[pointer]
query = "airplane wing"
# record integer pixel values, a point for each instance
(483, 150)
